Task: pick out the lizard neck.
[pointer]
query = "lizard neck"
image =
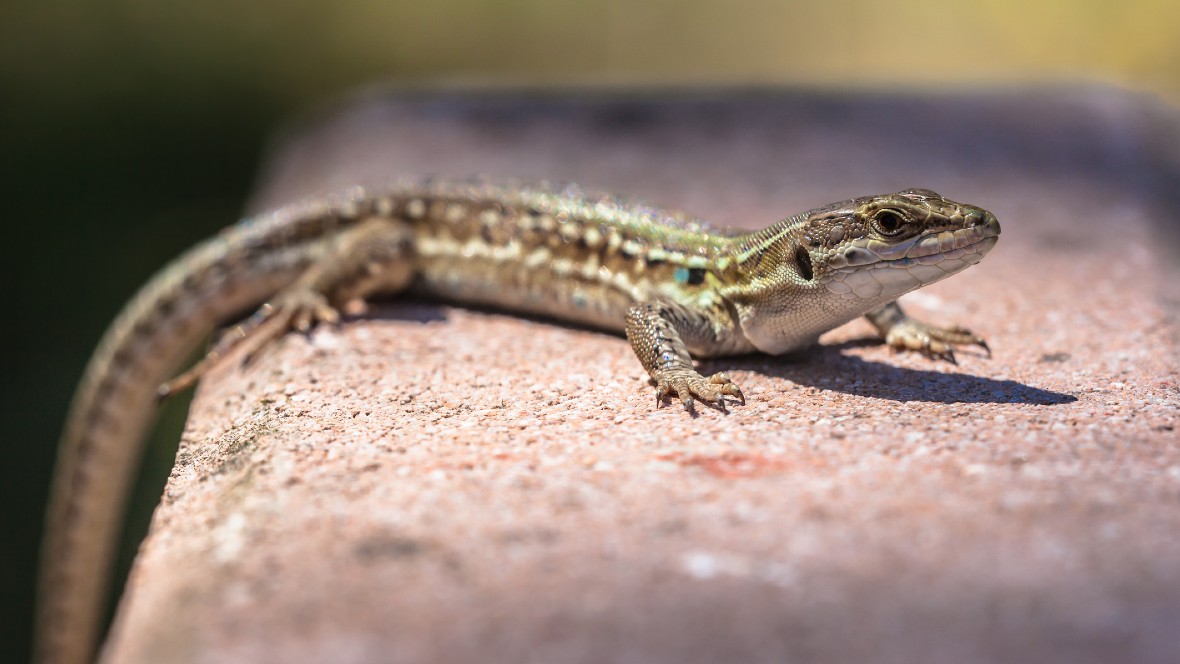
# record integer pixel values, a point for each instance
(781, 295)
(774, 285)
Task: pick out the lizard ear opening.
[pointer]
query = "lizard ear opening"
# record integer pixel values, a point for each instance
(803, 260)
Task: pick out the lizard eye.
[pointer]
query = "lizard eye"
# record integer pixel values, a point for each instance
(888, 222)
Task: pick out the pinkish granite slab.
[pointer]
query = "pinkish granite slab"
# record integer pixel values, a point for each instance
(436, 484)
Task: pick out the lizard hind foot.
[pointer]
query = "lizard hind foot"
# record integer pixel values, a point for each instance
(296, 309)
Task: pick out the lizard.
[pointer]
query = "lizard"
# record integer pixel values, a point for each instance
(677, 287)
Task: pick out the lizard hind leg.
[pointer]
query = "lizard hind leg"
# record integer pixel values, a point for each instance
(371, 256)
(296, 309)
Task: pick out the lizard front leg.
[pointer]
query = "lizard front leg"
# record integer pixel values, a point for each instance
(656, 332)
(373, 255)
(904, 333)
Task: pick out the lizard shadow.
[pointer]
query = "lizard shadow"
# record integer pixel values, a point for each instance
(408, 308)
(828, 367)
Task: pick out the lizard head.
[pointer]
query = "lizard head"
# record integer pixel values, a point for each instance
(883, 246)
(849, 258)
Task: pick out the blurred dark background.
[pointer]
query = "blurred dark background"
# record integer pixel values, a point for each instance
(130, 129)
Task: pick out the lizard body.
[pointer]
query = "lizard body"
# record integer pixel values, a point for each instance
(675, 286)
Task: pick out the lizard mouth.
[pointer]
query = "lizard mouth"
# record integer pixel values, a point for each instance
(978, 238)
(875, 269)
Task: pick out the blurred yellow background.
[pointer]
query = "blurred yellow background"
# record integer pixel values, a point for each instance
(77, 50)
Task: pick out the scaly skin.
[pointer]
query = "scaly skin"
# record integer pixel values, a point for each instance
(678, 288)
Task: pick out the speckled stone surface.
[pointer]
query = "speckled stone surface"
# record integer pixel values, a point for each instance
(429, 483)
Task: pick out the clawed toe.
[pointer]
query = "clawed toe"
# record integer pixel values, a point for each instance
(934, 342)
(726, 388)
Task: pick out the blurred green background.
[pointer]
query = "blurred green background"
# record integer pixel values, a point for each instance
(129, 129)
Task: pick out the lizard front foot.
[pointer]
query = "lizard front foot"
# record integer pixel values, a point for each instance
(931, 340)
(690, 385)
(904, 333)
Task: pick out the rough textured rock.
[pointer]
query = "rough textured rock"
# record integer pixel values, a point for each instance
(436, 484)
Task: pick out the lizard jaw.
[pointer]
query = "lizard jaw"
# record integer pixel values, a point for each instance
(875, 270)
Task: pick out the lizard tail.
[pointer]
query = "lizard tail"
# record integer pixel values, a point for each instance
(107, 425)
